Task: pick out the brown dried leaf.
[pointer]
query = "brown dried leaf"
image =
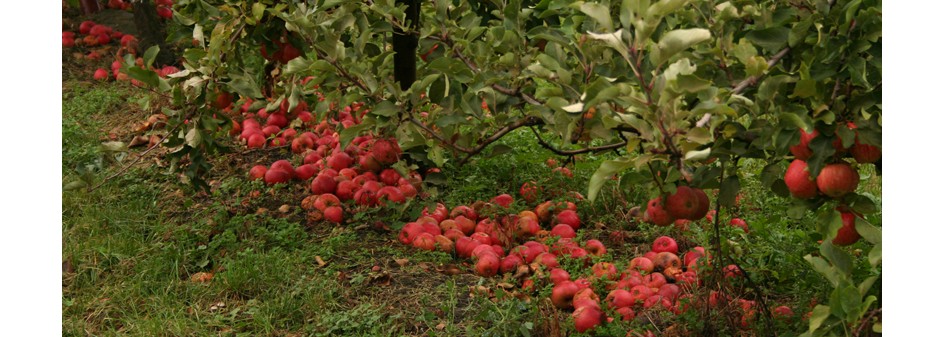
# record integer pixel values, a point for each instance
(321, 263)
(505, 285)
(401, 262)
(451, 270)
(284, 209)
(154, 140)
(138, 141)
(262, 211)
(201, 277)
(441, 326)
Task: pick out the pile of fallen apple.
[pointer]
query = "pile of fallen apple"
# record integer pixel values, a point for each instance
(542, 238)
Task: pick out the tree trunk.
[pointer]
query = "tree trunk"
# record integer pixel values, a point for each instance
(405, 46)
(151, 32)
(90, 7)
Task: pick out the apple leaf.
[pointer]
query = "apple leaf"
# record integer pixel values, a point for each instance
(870, 233)
(771, 39)
(599, 13)
(678, 40)
(729, 190)
(876, 255)
(348, 134)
(603, 174)
(865, 286)
(839, 258)
(818, 316)
(824, 268)
(150, 55)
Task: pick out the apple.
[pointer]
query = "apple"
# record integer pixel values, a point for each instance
(340, 160)
(665, 260)
(732, 271)
(390, 193)
(366, 196)
(529, 191)
(453, 234)
(626, 314)
(548, 260)
(464, 246)
(838, 179)
(503, 200)
(482, 238)
(644, 265)
(585, 297)
(410, 231)
(704, 204)
(464, 224)
(570, 218)
(558, 275)
(324, 184)
(326, 200)
(526, 227)
(276, 177)
(801, 151)
(847, 234)
(304, 172)
(443, 243)
(619, 298)
(257, 172)
(665, 244)
(563, 293)
(865, 153)
(439, 213)
(604, 270)
(640, 293)
(683, 204)
(425, 241)
(783, 313)
(100, 75)
(510, 263)
(346, 189)
(334, 214)
(669, 291)
(798, 180)
(738, 222)
(543, 211)
(408, 191)
(390, 177)
(587, 318)
(595, 247)
(387, 151)
(564, 231)
(487, 265)
(656, 214)
(466, 211)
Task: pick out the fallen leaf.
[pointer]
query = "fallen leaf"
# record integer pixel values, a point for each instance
(401, 262)
(321, 263)
(284, 209)
(138, 141)
(262, 211)
(505, 285)
(67, 267)
(201, 277)
(451, 270)
(441, 326)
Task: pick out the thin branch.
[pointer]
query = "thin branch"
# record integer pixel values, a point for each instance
(751, 80)
(560, 152)
(866, 321)
(439, 138)
(136, 160)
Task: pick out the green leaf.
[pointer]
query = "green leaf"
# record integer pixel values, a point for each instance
(148, 77)
(678, 40)
(193, 137)
(606, 170)
(245, 85)
(818, 316)
(839, 258)
(865, 286)
(385, 108)
(348, 134)
(850, 299)
(298, 65)
(870, 233)
(824, 268)
(876, 255)
(771, 39)
(75, 185)
(150, 55)
(258, 10)
(729, 190)
(805, 88)
(599, 13)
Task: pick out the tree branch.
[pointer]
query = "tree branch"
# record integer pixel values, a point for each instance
(744, 84)
(560, 152)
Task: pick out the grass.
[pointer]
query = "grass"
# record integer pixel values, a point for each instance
(131, 246)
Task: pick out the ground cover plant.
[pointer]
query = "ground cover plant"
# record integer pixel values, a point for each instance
(547, 168)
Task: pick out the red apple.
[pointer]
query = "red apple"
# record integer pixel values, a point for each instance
(409, 232)
(257, 172)
(564, 231)
(390, 177)
(644, 265)
(704, 204)
(503, 200)
(100, 75)
(847, 234)
(683, 204)
(558, 275)
(322, 202)
(276, 177)
(836, 180)
(665, 260)
(425, 241)
(387, 151)
(334, 214)
(392, 194)
(801, 150)
(570, 218)
(510, 263)
(487, 265)
(798, 180)
(563, 293)
(656, 214)
(619, 298)
(304, 172)
(595, 247)
(529, 191)
(466, 211)
(665, 244)
(323, 184)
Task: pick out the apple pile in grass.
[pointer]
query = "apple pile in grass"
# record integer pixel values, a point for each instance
(360, 172)
(91, 35)
(661, 279)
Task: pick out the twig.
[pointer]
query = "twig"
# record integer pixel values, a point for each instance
(866, 321)
(560, 152)
(136, 160)
(744, 84)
